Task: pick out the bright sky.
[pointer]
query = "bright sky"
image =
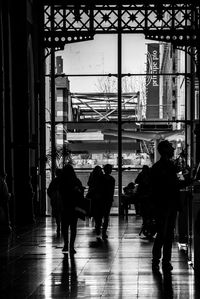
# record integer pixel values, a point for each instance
(99, 56)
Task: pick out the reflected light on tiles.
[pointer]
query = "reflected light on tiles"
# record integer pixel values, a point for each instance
(191, 282)
(48, 269)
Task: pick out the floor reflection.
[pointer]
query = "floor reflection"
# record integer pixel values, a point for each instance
(32, 265)
(69, 282)
(164, 284)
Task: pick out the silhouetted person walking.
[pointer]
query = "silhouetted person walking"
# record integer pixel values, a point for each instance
(71, 190)
(102, 218)
(54, 195)
(95, 194)
(95, 185)
(166, 198)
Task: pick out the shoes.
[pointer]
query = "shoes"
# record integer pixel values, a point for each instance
(155, 267)
(98, 231)
(65, 249)
(72, 251)
(167, 266)
(104, 236)
(98, 236)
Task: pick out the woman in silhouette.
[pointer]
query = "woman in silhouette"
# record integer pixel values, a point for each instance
(71, 191)
(95, 193)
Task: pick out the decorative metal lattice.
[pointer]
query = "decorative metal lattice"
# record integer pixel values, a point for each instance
(67, 21)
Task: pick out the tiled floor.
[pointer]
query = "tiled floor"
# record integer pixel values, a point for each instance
(32, 265)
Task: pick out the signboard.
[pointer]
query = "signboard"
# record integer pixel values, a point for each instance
(152, 81)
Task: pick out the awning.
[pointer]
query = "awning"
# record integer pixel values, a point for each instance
(149, 136)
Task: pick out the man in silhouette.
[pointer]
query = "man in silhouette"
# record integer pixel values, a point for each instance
(166, 200)
(108, 188)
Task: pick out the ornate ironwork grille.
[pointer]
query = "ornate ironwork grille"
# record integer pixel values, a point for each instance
(67, 22)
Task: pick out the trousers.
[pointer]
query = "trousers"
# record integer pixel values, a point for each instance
(162, 246)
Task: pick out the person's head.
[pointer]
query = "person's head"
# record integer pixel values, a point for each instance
(131, 185)
(97, 170)
(107, 168)
(68, 172)
(165, 149)
(145, 168)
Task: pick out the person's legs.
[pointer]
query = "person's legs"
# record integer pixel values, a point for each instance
(58, 224)
(124, 206)
(106, 221)
(73, 230)
(98, 216)
(98, 222)
(168, 240)
(157, 247)
(65, 231)
(158, 242)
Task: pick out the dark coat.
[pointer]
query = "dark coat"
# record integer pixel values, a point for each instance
(95, 192)
(71, 192)
(108, 188)
(165, 186)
